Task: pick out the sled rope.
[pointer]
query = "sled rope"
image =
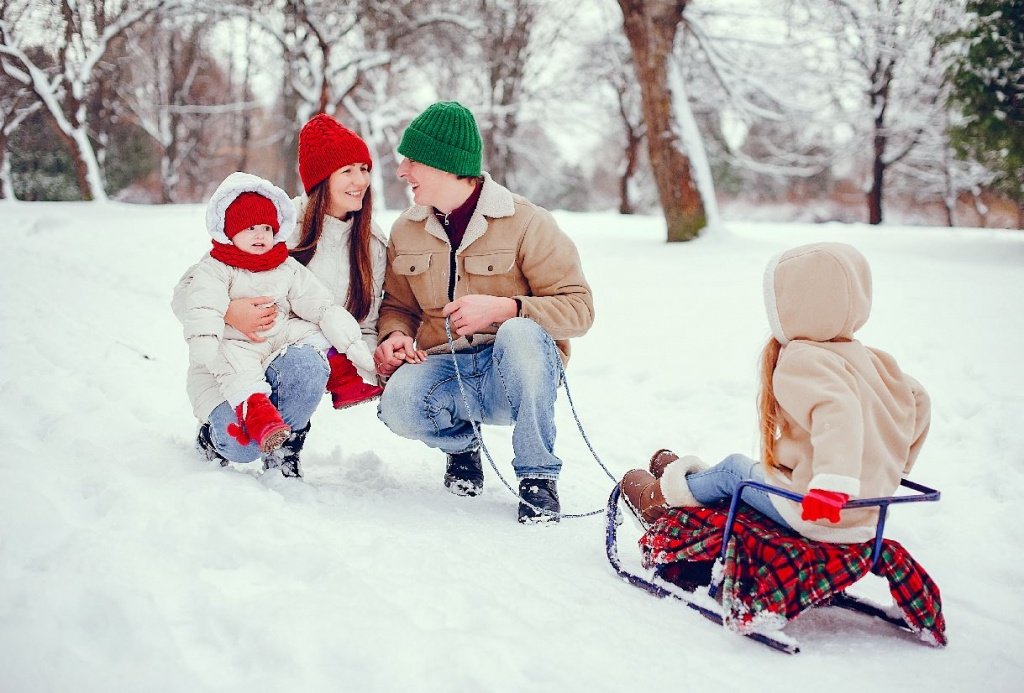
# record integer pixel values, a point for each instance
(487, 453)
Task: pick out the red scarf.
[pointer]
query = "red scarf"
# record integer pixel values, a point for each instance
(230, 255)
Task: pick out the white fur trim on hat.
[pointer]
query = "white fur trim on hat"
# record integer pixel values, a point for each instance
(238, 183)
(770, 302)
(674, 485)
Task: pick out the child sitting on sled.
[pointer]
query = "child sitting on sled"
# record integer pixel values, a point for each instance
(249, 219)
(838, 420)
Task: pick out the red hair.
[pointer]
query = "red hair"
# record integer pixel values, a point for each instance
(767, 405)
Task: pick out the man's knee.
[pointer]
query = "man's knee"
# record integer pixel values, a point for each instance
(401, 406)
(521, 332)
(524, 348)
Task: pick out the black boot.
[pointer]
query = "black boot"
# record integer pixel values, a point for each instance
(542, 494)
(286, 457)
(204, 443)
(464, 474)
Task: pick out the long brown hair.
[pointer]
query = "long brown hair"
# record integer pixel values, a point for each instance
(360, 277)
(767, 405)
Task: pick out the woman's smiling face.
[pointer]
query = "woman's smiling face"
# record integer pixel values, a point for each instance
(346, 189)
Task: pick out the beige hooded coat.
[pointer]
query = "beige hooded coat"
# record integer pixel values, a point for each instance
(851, 421)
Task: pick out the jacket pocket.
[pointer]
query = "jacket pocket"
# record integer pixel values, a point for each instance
(492, 273)
(422, 280)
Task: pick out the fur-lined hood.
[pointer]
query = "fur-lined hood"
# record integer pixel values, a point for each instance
(819, 292)
(238, 183)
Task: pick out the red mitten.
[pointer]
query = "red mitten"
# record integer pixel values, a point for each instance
(237, 430)
(818, 504)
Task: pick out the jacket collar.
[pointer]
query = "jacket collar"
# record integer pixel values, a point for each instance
(495, 202)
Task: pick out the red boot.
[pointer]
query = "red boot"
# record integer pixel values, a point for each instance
(347, 388)
(259, 420)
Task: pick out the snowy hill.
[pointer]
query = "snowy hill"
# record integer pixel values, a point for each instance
(129, 564)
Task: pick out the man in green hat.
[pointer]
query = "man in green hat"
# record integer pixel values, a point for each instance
(510, 282)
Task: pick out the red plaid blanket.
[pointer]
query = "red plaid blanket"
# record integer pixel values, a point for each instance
(771, 575)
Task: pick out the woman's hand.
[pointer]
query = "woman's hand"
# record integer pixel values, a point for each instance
(251, 316)
(397, 349)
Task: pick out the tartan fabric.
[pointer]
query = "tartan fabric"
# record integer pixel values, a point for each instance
(771, 574)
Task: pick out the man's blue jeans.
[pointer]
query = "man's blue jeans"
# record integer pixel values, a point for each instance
(719, 483)
(512, 381)
(298, 378)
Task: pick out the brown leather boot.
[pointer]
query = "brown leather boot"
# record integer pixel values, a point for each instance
(643, 495)
(661, 459)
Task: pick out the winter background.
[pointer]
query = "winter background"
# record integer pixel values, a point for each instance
(128, 562)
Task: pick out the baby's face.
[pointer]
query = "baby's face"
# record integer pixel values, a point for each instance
(255, 240)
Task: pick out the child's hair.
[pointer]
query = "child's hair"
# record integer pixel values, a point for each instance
(360, 284)
(767, 405)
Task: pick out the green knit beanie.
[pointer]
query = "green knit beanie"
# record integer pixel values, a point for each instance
(445, 137)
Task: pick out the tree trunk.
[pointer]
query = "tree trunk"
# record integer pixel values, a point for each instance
(632, 152)
(877, 177)
(83, 158)
(6, 179)
(651, 27)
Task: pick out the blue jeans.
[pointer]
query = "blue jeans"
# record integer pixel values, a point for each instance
(298, 378)
(719, 483)
(513, 381)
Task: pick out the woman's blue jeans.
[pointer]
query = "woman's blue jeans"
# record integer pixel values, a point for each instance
(513, 381)
(719, 483)
(298, 378)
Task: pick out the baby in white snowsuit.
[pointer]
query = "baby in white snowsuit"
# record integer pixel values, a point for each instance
(249, 219)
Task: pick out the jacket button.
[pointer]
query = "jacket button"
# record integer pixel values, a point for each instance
(490, 268)
(412, 268)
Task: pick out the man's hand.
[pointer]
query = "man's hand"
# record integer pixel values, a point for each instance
(397, 349)
(476, 312)
(251, 315)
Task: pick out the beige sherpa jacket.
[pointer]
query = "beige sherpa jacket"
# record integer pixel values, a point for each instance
(851, 420)
(512, 248)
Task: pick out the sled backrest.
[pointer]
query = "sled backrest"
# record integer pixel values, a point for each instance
(923, 495)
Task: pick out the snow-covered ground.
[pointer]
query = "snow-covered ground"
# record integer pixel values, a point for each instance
(127, 563)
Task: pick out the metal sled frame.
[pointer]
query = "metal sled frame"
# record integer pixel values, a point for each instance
(776, 641)
(924, 495)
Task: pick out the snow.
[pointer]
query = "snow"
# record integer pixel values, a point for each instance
(129, 563)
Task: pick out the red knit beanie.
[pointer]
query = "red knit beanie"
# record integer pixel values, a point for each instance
(325, 145)
(249, 209)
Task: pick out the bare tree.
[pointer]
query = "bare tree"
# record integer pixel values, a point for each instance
(172, 92)
(893, 60)
(85, 30)
(608, 61)
(507, 27)
(16, 104)
(651, 27)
